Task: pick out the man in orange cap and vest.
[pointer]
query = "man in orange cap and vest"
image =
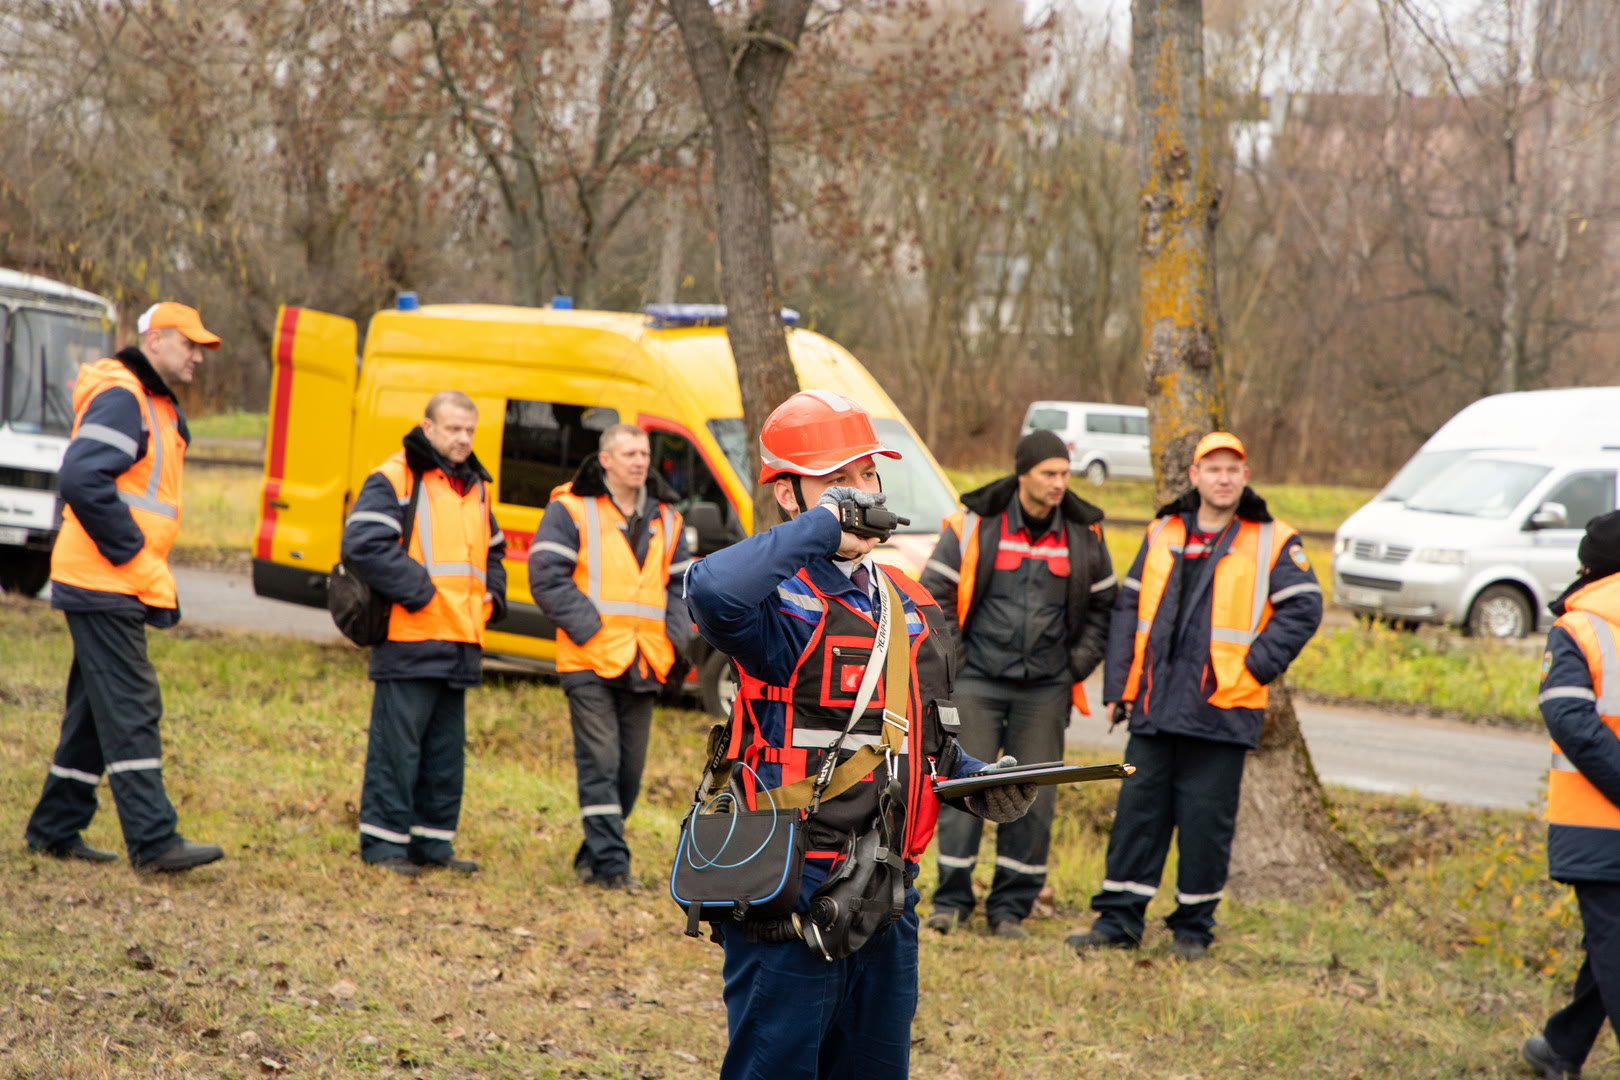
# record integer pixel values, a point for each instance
(798, 608)
(120, 481)
(1219, 601)
(446, 581)
(1580, 702)
(608, 566)
(1025, 576)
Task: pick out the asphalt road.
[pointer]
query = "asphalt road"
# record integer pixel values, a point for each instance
(1359, 748)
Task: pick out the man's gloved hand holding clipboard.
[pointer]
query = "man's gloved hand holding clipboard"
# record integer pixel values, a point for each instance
(1008, 788)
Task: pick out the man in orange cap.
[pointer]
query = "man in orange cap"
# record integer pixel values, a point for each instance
(804, 612)
(121, 480)
(1219, 601)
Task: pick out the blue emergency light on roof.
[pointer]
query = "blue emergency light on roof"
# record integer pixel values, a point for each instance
(677, 316)
(562, 303)
(406, 301)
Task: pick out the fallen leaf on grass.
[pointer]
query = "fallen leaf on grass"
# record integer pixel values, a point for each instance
(210, 1033)
(522, 931)
(582, 1003)
(442, 1018)
(248, 1038)
(140, 958)
(684, 1056)
(270, 1065)
(456, 1032)
(343, 989)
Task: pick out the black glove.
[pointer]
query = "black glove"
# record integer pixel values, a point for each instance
(1121, 715)
(864, 499)
(1009, 802)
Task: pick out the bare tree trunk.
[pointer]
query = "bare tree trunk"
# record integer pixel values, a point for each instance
(1509, 227)
(738, 76)
(1178, 210)
(1286, 838)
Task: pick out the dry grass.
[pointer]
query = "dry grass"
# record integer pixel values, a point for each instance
(290, 958)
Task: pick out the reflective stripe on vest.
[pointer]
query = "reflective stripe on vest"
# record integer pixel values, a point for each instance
(1572, 799)
(150, 488)
(629, 596)
(1240, 604)
(450, 538)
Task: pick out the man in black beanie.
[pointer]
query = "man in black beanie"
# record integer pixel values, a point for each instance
(1025, 577)
(1580, 682)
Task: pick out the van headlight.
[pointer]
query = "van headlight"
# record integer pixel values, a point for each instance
(1341, 544)
(1443, 556)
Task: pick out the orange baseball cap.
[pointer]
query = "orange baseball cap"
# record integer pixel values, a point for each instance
(1218, 440)
(182, 318)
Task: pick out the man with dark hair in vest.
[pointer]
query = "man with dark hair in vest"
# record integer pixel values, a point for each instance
(446, 582)
(1219, 601)
(1024, 577)
(120, 482)
(608, 567)
(1580, 703)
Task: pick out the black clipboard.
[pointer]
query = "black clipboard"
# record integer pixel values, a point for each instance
(1048, 772)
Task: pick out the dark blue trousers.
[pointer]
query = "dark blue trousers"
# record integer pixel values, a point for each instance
(1187, 785)
(1572, 1030)
(410, 800)
(111, 724)
(1027, 722)
(611, 726)
(791, 1015)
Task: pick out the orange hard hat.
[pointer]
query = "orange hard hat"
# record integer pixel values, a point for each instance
(816, 432)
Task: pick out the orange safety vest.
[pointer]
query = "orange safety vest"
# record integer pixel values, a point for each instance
(1239, 609)
(1590, 616)
(150, 488)
(629, 597)
(965, 524)
(450, 538)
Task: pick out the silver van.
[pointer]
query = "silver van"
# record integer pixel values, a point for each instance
(1483, 545)
(1103, 440)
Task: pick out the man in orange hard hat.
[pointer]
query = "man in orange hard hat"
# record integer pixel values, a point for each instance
(804, 611)
(120, 480)
(1219, 601)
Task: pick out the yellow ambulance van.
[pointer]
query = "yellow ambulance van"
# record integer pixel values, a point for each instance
(546, 381)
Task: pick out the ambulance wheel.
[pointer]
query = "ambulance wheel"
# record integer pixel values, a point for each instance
(717, 683)
(1096, 473)
(1501, 611)
(24, 573)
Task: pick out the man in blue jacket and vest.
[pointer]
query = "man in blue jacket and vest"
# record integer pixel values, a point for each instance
(1580, 703)
(1219, 601)
(608, 566)
(120, 480)
(797, 609)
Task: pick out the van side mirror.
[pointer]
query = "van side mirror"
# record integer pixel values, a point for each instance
(1550, 515)
(707, 526)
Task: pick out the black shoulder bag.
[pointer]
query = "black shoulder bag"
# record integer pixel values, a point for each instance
(360, 611)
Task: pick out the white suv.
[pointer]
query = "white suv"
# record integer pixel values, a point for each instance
(1103, 440)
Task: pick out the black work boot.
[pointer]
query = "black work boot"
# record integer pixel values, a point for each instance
(1085, 940)
(460, 866)
(75, 849)
(1540, 1055)
(399, 864)
(183, 856)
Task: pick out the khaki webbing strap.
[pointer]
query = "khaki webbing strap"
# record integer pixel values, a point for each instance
(896, 690)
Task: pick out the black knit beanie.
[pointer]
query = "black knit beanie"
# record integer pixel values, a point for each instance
(1036, 447)
(1600, 547)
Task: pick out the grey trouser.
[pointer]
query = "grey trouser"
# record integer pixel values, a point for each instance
(410, 802)
(1027, 722)
(611, 727)
(111, 724)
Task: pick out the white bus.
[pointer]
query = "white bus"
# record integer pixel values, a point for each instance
(47, 330)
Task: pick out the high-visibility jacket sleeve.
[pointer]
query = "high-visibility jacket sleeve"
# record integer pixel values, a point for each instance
(1092, 646)
(941, 576)
(495, 569)
(1296, 612)
(732, 593)
(110, 439)
(677, 619)
(552, 558)
(1122, 629)
(374, 551)
(1572, 719)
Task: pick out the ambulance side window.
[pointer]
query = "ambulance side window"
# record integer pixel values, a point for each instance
(676, 460)
(543, 444)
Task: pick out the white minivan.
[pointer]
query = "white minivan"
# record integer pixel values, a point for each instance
(1484, 545)
(1103, 440)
